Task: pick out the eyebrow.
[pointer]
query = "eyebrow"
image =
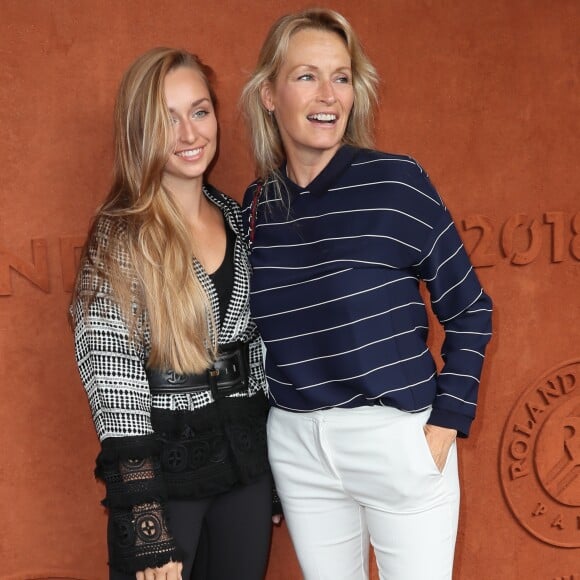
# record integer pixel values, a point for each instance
(313, 67)
(195, 103)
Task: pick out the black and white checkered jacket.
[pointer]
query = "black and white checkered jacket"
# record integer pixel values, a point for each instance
(112, 364)
(112, 367)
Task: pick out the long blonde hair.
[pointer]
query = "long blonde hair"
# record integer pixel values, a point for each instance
(139, 246)
(264, 133)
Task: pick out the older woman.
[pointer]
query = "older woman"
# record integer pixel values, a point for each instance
(363, 426)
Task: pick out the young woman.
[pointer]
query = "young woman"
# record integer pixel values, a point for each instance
(362, 432)
(165, 347)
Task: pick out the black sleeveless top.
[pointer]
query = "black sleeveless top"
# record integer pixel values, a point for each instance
(223, 277)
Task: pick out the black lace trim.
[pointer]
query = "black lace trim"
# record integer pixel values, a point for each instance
(192, 454)
(131, 470)
(206, 451)
(138, 538)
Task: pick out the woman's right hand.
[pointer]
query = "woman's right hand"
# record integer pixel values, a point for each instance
(171, 571)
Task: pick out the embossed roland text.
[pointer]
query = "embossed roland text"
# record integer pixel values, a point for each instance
(521, 442)
(540, 457)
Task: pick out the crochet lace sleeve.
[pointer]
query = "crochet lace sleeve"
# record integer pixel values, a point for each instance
(112, 370)
(111, 363)
(138, 534)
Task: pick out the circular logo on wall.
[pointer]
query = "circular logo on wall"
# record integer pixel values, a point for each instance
(540, 457)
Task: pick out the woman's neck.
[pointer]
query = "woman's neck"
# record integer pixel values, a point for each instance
(303, 169)
(189, 197)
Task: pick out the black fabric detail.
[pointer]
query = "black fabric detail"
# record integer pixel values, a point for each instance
(228, 374)
(276, 502)
(131, 471)
(207, 451)
(223, 277)
(137, 447)
(138, 538)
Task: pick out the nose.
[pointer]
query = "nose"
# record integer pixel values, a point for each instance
(187, 133)
(326, 94)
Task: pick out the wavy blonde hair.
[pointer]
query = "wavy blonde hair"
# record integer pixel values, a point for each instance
(264, 134)
(139, 245)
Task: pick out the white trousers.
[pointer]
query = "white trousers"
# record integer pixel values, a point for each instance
(347, 476)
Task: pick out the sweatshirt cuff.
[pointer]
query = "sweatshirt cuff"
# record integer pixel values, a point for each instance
(445, 418)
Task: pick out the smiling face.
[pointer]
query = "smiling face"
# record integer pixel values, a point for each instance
(194, 125)
(312, 96)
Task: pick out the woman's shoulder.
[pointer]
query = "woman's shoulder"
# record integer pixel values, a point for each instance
(400, 160)
(382, 165)
(220, 198)
(108, 234)
(402, 171)
(228, 205)
(106, 227)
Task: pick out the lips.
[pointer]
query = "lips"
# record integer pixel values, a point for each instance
(189, 153)
(323, 117)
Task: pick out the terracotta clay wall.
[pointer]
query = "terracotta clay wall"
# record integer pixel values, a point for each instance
(484, 94)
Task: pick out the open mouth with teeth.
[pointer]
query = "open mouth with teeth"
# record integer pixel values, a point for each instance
(189, 153)
(325, 118)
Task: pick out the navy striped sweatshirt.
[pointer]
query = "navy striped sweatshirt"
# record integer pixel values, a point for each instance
(335, 291)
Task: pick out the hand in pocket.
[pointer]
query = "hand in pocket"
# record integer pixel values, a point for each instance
(439, 440)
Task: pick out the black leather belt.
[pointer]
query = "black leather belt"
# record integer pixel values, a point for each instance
(228, 374)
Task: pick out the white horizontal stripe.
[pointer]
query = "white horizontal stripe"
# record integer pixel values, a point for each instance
(363, 374)
(413, 411)
(336, 239)
(383, 182)
(376, 160)
(365, 291)
(277, 381)
(348, 211)
(462, 310)
(460, 375)
(384, 264)
(403, 388)
(467, 332)
(316, 408)
(269, 200)
(351, 350)
(480, 310)
(339, 404)
(473, 351)
(310, 280)
(434, 244)
(330, 328)
(457, 398)
(452, 287)
(443, 264)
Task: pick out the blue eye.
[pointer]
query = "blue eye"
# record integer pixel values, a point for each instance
(306, 77)
(344, 79)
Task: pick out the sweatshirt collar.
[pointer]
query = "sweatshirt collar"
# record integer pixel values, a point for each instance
(327, 177)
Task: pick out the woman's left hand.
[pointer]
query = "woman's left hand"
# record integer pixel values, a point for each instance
(171, 571)
(439, 440)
